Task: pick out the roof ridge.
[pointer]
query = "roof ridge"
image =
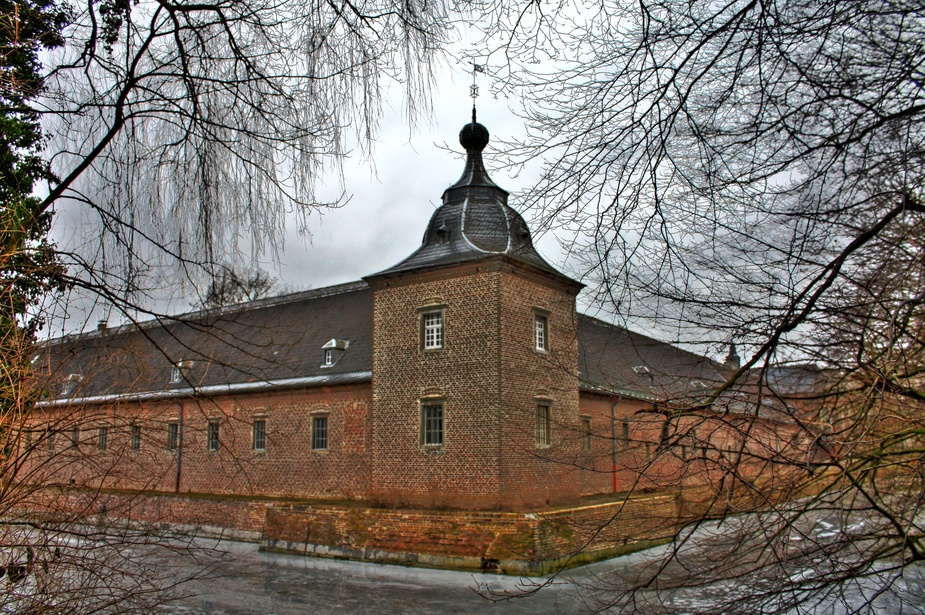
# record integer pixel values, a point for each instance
(160, 320)
(604, 323)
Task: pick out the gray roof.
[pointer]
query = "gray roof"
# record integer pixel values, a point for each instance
(279, 342)
(272, 342)
(475, 221)
(612, 359)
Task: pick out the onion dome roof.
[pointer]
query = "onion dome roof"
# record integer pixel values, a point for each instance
(474, 221)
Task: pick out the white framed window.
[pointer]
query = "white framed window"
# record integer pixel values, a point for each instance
(432, 330)
(212, 436)
(432, 424)
(541, 332)
(586, 434)
(180, 369)
(259, 435)
(73, 380)
(332, 351)
(543, 425)
(173, 436)
(319, 433)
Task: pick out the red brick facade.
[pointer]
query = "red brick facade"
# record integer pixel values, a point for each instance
(488, 377)
(450, 382)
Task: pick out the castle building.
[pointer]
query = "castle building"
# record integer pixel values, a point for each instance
(461, 379)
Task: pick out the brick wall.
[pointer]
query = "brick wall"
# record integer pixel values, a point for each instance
(489, 378)
(515, 543)
(535, 474)
(287, 467)
(463, 376)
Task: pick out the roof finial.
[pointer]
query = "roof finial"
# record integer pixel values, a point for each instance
(474, 88)
(732, 359)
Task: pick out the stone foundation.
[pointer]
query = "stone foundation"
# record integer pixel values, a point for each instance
(533, 543)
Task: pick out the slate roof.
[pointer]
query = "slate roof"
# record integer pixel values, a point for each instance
(474, 221)
(615, 360)
(278, 343)
(271, 343)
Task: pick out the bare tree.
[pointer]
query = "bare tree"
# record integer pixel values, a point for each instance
(752, 172)
(185, 132)
(182, 133)
(230, 287)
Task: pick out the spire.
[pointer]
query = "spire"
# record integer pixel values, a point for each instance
(474, 221)
(732, 358)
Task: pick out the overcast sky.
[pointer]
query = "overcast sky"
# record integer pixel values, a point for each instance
(385, 219)
(392, 196)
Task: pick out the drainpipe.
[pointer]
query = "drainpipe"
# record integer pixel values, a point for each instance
(613, 433)
(179, 449)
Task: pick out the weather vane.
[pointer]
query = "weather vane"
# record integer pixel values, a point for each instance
(474, 88)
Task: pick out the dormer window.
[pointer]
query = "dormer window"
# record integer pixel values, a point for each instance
(332, 351)
(71, 383)
(443, 233)
(178, 370)
(641, 369)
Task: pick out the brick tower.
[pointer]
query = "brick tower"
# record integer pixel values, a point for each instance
(475, 360)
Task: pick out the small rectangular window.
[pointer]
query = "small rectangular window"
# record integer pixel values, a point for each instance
(543, 424)
(320, 433)
(50, 436)
(212, 436)
(432, 424)
(626, 434)
(136, 437)
(541, 327)
(259, 439)
(101, 438)
(175, 374)
(173, 436)
(586, 434)
(75, 435)
(432, 330)
(328, 357)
